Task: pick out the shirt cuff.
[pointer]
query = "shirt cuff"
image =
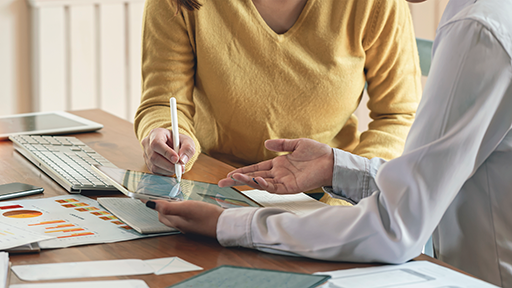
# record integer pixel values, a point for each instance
(234, 227)
(354, 176)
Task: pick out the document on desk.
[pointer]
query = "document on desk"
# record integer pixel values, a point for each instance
(417, 274)
(4, 269)
(171, 265)
(121, 267)
(13, 236)
(69, 220)
(51, 271)
(131, 283)
(300, 204)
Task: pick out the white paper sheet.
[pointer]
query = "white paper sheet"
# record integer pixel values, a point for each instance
(12, 236)
(105, 268)
(4, 269)
(171, 265)
(415, 274)
(84, 269)
(300, 204)
(87, 284)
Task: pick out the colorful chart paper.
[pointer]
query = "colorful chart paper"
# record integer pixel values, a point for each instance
(69, 220)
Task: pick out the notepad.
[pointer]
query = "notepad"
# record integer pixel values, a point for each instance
(135, 214)
(230, 276)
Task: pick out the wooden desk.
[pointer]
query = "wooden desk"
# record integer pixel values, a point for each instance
(117, 142)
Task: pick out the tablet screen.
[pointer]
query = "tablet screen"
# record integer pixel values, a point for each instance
(167, 187)
(44, 123)
(36, 122)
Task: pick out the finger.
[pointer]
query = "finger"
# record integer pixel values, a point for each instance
(169, 213)
(262, 166)
(282, 145)
(158, 164)
(187, 148)
(263, 174)
(229, 182)
(160, 142)
(254, 182)
(169, 208)
(171, 221)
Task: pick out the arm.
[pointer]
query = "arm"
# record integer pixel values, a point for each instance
(393, 77)
(168, 61)
(462, 118)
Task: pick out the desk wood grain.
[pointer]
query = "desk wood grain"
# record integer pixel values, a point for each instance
(117, 142)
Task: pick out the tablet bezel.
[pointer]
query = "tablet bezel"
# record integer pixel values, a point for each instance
(88, 125)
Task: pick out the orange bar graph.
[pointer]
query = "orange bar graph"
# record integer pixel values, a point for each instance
(47, 222)
(76, 235)
(61, 226)
(65, 230)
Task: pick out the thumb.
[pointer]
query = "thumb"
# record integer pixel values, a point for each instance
(168, 208)
(282, 145)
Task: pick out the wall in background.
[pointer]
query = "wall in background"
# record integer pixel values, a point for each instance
(15, 55)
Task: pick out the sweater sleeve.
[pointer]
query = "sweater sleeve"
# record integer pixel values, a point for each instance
(168, 61)
(394, 80)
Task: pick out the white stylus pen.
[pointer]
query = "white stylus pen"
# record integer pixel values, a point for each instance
(175, 136)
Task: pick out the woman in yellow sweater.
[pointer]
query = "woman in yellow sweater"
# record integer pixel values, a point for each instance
(244, 71)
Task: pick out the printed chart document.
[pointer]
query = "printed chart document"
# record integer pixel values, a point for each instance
(135, 213)
(70, 220)
(12, 236)
(414, 274)
(300, 204)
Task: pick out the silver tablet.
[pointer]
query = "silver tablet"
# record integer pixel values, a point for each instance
(41, 123)
(140, 185)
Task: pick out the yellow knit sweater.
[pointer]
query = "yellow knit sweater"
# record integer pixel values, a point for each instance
(238, 83)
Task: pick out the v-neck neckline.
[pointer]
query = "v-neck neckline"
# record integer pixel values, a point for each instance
(271, 31)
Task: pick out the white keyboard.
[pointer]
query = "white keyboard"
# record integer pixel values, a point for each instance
(66, 160)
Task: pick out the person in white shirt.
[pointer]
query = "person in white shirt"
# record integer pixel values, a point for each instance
(454, 179)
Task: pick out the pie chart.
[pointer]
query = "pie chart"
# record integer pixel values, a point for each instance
(23, 214)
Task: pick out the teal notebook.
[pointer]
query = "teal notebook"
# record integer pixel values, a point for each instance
(242, 277)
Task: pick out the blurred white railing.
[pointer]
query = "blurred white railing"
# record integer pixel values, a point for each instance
(86, 54)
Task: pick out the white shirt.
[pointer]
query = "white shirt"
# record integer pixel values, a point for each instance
(455, 175)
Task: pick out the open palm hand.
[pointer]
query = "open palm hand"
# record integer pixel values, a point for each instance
(308, 166)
